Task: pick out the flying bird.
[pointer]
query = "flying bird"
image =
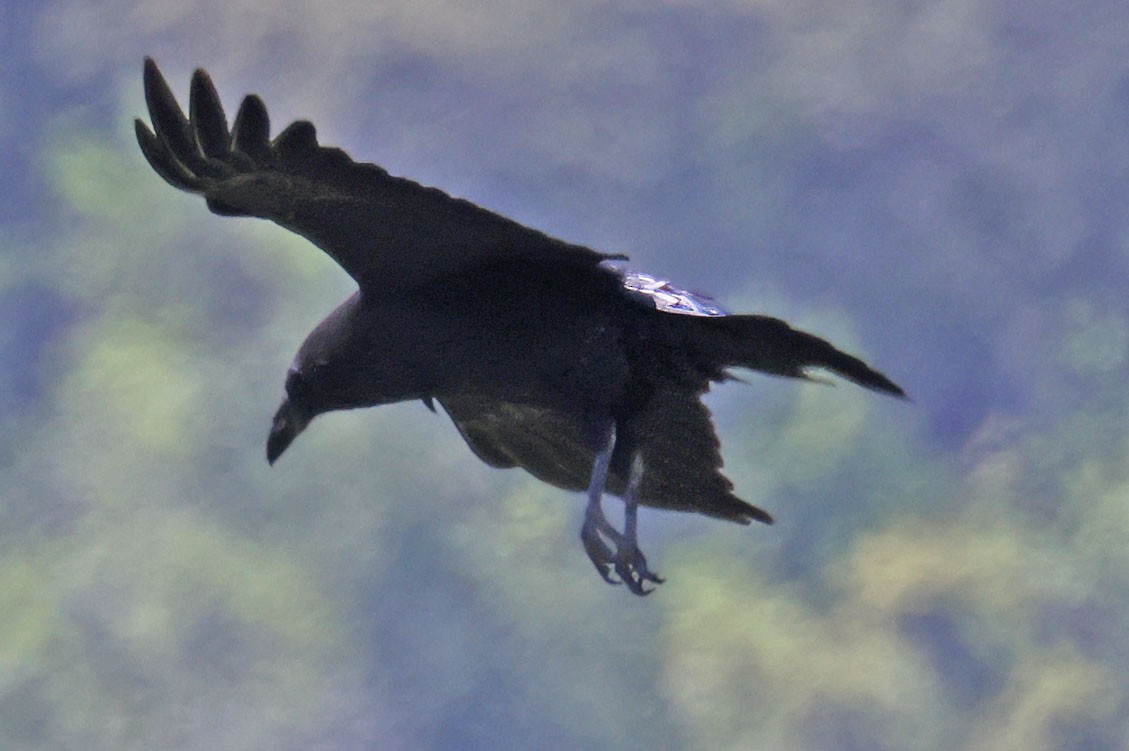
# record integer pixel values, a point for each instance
(546, 355)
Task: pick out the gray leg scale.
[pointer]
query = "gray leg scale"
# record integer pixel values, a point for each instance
(631, 564)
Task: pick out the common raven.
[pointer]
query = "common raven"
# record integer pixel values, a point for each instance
(546, 355)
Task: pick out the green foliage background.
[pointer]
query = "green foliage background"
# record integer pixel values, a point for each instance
(951, 573)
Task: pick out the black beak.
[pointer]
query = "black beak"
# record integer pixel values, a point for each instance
(288, 423)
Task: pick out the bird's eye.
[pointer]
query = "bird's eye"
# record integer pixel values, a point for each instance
(295, 383)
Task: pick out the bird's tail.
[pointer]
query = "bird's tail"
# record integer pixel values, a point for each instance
(772, 346)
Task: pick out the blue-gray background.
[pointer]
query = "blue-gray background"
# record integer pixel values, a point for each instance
(940, 187)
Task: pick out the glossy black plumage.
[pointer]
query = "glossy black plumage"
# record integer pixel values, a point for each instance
(542, 353)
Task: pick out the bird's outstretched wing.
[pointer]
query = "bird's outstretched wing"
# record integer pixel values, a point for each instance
(382, 230)
(674, 435)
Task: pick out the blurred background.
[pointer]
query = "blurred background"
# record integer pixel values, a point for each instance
(939, 187)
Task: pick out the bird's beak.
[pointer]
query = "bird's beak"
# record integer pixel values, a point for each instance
(289, 421)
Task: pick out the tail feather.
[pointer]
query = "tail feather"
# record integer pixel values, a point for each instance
(772, 346)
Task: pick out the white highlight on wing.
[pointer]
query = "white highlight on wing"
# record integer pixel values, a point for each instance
(669, 298)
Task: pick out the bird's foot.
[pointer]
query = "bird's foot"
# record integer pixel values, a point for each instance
(631, 567)
(613, 552)
(598, 537)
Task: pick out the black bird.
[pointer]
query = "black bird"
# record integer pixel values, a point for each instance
(546, 355)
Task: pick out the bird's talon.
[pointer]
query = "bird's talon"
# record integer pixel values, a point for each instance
(632, 569)
(640, 566)
(605, 572)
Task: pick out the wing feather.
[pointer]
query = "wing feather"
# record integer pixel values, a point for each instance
(251, 132)
(163, 163)
(209, 123)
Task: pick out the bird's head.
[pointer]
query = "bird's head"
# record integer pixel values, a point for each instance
(294, 414)
(359, 356)
(321, 378)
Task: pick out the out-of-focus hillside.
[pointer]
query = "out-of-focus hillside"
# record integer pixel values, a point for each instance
(938, 187)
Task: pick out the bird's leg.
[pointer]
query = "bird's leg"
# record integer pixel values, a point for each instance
(630, 563)
(607, 548)
(596, 526)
